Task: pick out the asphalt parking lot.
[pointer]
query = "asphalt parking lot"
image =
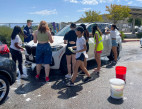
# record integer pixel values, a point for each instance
(28, 94)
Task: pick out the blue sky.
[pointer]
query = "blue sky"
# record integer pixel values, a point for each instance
(18, 11)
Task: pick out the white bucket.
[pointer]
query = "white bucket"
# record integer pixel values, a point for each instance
(117, 86)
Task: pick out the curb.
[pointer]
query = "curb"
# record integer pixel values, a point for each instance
(130, 40)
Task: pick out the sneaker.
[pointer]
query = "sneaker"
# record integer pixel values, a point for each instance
(70, 84)
(81, 73)
(114, 62)
(87, 79)
(47, 79)
(24, 76)
(37, 76)
(68, 76)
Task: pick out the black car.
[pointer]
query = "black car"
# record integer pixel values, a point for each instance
(7, 76)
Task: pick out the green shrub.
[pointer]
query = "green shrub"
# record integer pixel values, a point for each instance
(5, 33)
(139, 35)
(122, 35)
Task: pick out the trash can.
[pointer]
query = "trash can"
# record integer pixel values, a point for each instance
(121, 72)
(117, 86)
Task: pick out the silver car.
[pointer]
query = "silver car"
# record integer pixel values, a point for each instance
(58, 47)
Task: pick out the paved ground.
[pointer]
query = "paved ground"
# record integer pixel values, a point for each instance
(93, 95)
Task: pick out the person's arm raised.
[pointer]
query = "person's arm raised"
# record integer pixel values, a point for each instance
(106, 31)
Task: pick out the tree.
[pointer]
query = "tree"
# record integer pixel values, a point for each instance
(92, 16)
(138, 21)
(117, 12)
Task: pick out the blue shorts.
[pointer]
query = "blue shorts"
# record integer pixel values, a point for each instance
(114, 43)
(43, 54)
(81, 58)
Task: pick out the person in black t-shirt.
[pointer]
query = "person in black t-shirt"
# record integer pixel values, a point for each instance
(86, 36)
(70, 39)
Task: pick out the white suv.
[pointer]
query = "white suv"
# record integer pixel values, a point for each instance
(58, 47)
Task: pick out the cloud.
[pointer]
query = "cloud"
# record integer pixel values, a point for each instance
(130, 2)
(84, 9)
(89, 2)
(72, 1)
(105, 1)
(44, 12)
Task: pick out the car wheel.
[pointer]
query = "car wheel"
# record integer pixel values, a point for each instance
(4, 88)
(63, 65)
(111, 56)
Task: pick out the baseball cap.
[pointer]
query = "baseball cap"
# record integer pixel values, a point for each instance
(79, 28)
(29, 20)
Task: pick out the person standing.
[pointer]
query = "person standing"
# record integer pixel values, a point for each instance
(86, 36)
(15, 49)
(98, 46)
(52, 33)
(43, 50)
(113, 34)
(70, 39)
(28, 31)
(80, 56)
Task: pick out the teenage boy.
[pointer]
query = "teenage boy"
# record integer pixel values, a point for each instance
(80, 56)
(28, 31)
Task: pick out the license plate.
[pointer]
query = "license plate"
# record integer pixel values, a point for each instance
(31, 57)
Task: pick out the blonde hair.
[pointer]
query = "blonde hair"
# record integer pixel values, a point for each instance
(43, 27)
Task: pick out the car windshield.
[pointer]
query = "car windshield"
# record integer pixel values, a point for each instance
(63, 31)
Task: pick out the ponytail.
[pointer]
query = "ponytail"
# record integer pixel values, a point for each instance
(115, 27)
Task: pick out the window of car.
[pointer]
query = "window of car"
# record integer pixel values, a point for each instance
(89, 28)
(63, 31)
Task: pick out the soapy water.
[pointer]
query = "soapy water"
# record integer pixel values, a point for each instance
(28, 99)
(117, 88)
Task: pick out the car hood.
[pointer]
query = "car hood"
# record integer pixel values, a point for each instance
(58, 40)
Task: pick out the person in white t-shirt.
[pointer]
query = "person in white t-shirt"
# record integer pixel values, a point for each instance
(113, 35)
(16, 47)
(80, 56)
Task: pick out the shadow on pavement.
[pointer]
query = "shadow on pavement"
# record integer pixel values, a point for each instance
(69, 92)
(32, 84)
(111, 65)
(59, 82)
(115, 101)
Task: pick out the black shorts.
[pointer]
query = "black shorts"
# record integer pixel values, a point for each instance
(68, 52)
(87, 44)
(81, 58)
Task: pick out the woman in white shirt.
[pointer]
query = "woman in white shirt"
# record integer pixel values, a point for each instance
(16, 47)
(113, 34)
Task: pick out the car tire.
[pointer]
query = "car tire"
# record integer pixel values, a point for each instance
(5, 90)
(63, 65)
(111, 56)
